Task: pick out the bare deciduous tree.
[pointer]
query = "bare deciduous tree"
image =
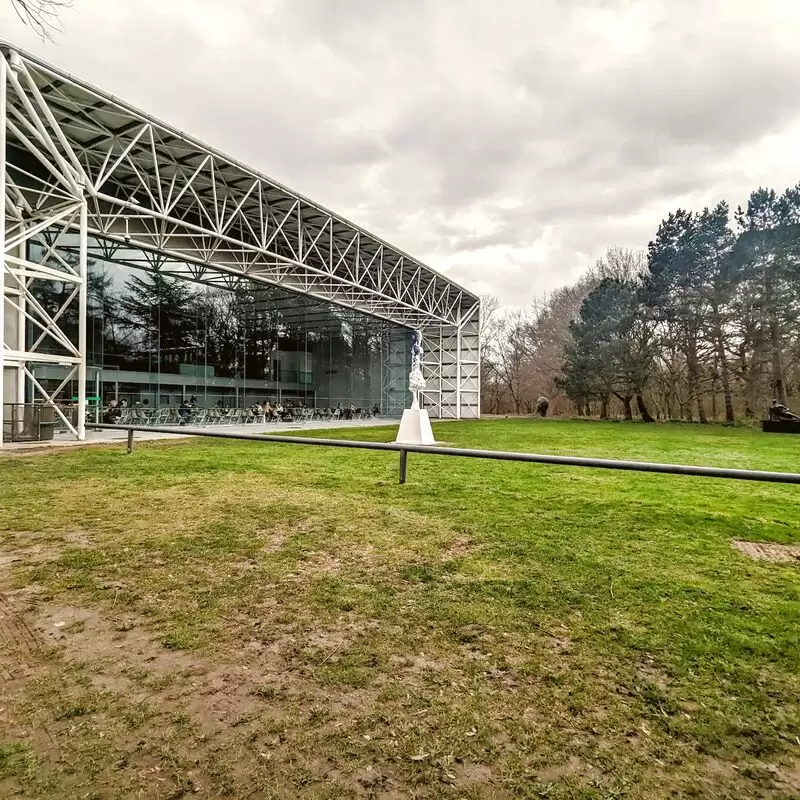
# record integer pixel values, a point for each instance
(491, 391)
(512, 361)
(43, 16)
(621, 264)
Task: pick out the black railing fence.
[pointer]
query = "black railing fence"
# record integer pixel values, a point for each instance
(28, 422)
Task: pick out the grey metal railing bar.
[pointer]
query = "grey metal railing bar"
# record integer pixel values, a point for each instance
(497, 455)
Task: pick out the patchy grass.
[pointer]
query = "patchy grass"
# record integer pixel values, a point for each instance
(213, 619)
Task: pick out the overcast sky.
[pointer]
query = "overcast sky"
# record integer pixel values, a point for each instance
(505, 143)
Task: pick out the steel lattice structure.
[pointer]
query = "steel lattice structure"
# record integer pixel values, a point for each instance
(111, 179)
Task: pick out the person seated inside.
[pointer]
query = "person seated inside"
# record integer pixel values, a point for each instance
(780, 413)
(112, 413)
(185, 410)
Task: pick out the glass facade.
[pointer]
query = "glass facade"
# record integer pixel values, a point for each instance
(157, 339)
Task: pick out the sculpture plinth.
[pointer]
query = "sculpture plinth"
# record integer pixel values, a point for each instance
(415, 426)
(780, 426)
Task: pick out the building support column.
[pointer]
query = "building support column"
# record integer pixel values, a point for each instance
(458, 370)
(43, 205)
(3, 112)
(83, 273)
(468, 364)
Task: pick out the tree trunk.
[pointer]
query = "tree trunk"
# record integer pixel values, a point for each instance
(724, 372)
(645, 414)
(604, 408)
(693, 370)
(626, 404)
(753, 384)
(775, 349)
(714, 397)
(778, 382)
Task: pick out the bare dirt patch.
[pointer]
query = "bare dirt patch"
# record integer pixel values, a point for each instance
(16, 636)
(573, 766)
(468, 773)
(461, 547)
(315, 563)
(32, 548)
(82, 633)
(769, 551)
(561, 644)
(78, 684)
(788, 777)
(275, 537)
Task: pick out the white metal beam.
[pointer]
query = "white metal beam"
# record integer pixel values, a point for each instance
(101, 168)
(3, 151)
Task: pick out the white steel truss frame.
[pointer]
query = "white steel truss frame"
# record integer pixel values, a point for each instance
(452, 368)
(79, 160)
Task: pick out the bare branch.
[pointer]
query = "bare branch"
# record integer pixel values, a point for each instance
(43, 16)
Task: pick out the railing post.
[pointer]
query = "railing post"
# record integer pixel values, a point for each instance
(130, 442)
(403, 465)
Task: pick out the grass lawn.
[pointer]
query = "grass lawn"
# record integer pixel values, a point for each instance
(210, 618)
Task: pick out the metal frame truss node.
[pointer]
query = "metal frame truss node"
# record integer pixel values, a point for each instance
(83, 174)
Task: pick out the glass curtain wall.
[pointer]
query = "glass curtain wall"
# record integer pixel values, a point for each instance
(156, 339)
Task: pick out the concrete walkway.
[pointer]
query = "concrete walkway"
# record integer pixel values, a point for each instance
(62, 440)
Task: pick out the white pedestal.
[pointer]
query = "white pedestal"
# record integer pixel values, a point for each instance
(415, 428)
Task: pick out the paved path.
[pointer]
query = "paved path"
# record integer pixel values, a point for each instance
(104, 436)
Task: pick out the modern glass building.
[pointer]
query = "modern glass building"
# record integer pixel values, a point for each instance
(158, 339)
(143, 266)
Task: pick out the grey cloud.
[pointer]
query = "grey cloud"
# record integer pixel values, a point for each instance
(475, 146)
(508, 144)
(696, 83)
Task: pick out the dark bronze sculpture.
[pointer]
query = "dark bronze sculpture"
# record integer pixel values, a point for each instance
(542, 404)
(780, 413)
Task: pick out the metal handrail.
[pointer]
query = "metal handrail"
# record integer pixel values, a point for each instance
(497, 455)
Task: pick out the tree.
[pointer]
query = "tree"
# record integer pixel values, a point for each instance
(768, 251)
(717, 276)
(162, 313)
(511, 359)
(613, 347)
(43, 16)
(491, 391)
(52, 295)
(706, 326)
(579, 377)
(550, 317)
(672, 289)
(622, 264)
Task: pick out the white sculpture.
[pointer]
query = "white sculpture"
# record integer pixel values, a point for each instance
(416, 380)
(415, 427)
